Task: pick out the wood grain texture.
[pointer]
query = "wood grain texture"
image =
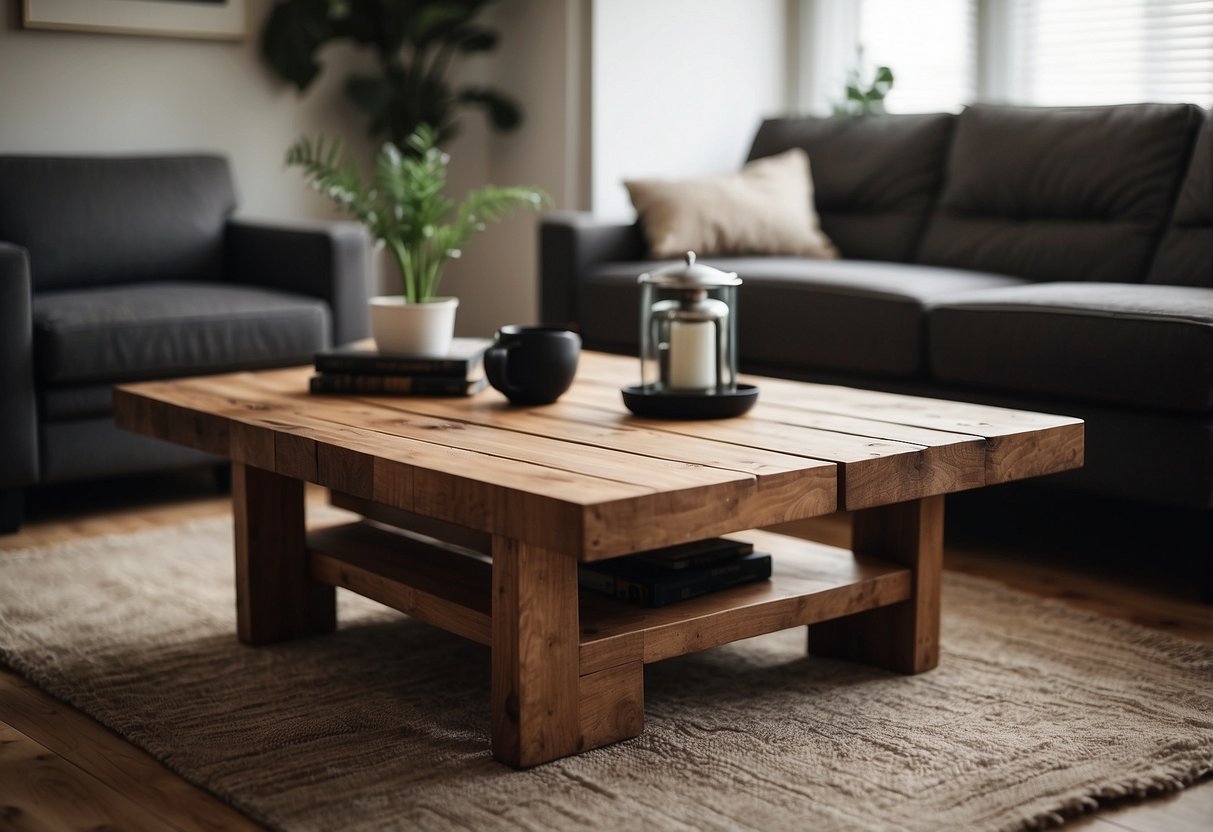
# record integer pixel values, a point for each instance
(101, 754)
(903, 637)
(535, 679)
(1018, 444)
(42, 792)
(612, 705)
(441, 587)
(276, 599)
(811, 582)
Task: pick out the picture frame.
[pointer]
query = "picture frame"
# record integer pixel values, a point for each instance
(209, 19)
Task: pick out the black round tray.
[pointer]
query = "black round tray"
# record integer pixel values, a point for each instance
(673, 405)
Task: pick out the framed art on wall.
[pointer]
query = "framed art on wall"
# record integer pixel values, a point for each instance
(218, 19)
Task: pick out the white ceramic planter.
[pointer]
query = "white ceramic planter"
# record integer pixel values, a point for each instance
(413, 328)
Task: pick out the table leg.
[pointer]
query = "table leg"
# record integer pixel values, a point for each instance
(276, 599)
(535, 654)
(903, 637)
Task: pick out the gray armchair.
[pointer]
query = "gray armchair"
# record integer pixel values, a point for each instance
(129, 268)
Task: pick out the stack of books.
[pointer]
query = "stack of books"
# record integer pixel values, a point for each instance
(662, 576)
(360, 368)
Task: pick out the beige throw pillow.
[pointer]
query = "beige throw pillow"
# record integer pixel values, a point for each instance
(766, 208)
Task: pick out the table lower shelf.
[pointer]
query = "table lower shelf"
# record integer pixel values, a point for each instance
(452, 589)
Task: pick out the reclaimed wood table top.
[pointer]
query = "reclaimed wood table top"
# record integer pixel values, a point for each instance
(585, 477)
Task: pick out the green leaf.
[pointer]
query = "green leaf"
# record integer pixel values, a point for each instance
(471, 39)
(503, 111)
(294, 31)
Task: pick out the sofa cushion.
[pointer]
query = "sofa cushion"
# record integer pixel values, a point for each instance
(1060, 193)
(123, 333)
(1132, 345)
(765, 208)
(874, 177)
(91, 221)
(1185, 257)
(799, 314)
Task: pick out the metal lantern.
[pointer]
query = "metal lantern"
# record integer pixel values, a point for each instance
(688, 330)
(688, 345)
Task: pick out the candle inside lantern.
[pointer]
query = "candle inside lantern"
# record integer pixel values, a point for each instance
(692, 355)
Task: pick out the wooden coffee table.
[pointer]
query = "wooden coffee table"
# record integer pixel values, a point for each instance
(450, 482)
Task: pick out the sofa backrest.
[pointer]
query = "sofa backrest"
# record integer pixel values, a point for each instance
(1185, 257)
(90, 221)
(875, 178)
(1060, 193)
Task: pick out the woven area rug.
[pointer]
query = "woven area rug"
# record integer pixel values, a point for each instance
(1037, 711)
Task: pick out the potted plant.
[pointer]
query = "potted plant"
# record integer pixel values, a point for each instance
(413, 44)
(405, 207)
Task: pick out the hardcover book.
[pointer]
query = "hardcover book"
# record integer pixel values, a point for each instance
(395, 385)
(650, 587)
(464, 360)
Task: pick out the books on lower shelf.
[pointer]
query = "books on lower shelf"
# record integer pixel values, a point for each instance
(361, 369)
(663, 576)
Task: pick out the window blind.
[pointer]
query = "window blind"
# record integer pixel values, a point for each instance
(1111, 51)
(931, 46)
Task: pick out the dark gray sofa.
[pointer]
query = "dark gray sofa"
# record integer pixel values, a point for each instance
(1055, 259)
(130, 268)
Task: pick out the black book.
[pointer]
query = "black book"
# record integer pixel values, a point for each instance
(395, 385)
(696, 553)
(464, 360)
(657, 587)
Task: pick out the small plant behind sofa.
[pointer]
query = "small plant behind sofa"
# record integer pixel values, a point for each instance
(861, 98)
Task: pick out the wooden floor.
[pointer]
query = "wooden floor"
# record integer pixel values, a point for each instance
(60, 770)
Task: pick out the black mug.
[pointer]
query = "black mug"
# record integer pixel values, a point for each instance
(533, 364)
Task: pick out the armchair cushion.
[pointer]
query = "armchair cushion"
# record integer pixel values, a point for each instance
(97, 221)
(326, 260)
(124, 333)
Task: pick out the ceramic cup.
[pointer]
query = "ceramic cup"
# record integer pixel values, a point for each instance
(533, 364)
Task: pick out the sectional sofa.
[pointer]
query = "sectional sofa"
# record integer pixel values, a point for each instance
(1055, 259)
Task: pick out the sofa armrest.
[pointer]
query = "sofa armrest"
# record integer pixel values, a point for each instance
(18, 411)
(327, 260)
(571, 245)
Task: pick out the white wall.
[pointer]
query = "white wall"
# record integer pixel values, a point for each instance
(542, 60)
(680, 86)
(77, 92)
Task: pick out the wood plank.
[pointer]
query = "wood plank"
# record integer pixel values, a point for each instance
(612, 705)
(811, 583)
(440, 587)
(42, 792)
(449, 533)
(104, 755)
(903, 637)
(549, 502)
(1019, 443)
(871, 471)
(276, 599)
(535, 681)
